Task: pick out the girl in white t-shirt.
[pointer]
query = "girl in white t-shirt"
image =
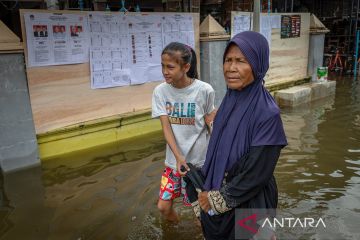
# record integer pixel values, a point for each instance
(185, 106)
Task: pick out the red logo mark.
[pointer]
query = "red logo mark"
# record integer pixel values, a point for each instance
(242, 223)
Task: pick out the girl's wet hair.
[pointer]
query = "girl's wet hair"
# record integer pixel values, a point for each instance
(187, 55)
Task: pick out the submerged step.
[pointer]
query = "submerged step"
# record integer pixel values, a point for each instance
(322, 89)
(305, 93)
(293, 96)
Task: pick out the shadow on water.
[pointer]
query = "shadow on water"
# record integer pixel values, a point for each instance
(110, 192)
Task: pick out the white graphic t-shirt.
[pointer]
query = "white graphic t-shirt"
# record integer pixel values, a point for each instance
(186, 108)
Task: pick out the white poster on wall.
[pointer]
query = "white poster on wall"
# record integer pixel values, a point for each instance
(146, 46)
(276, 21)
(178, 28)
(126, 49)
(109, 50)
(240, 24)
(265, 27)
(121, 49)
(56, 39)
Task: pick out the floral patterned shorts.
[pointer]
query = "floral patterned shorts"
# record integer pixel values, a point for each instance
(173, 186)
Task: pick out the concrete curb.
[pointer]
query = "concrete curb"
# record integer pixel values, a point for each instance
(305, 93)
(95, 133)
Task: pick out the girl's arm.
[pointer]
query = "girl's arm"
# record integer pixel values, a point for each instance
(209, 119)
(170, 139)
(210, 110)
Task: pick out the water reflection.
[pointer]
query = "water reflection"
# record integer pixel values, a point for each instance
(319, 169)
(5, 208)
(72, 166)
(111, 192)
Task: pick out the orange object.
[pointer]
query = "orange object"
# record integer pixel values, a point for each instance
(336, 62)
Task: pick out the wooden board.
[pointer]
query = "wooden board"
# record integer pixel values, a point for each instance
(61, 95)
(288, 57)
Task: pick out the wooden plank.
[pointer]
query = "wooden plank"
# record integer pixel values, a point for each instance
(11, 47)
(61, 95)
(11, 51)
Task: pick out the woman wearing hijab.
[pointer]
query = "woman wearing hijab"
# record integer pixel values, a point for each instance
(247, 138)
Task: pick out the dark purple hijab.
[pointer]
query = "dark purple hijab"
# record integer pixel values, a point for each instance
(245, 118)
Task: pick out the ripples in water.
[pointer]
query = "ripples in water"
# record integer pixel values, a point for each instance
(111, 192)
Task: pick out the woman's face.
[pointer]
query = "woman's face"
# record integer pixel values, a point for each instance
(237, 71)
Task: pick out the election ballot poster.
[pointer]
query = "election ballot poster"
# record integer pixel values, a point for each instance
(126, 49)
(56, 38)
(122, 49)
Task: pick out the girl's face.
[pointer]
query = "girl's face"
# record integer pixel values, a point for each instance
(237, 71)
(173, 71)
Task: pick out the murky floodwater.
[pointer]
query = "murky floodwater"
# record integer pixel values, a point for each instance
(111, 192)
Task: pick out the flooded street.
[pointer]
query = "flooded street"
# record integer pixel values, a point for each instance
(111, 192)
(319, 171)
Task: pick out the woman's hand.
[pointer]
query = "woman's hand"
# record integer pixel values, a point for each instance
(204, 201)
(179, 163)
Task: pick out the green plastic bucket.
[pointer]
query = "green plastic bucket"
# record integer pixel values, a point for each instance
(322, 73)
